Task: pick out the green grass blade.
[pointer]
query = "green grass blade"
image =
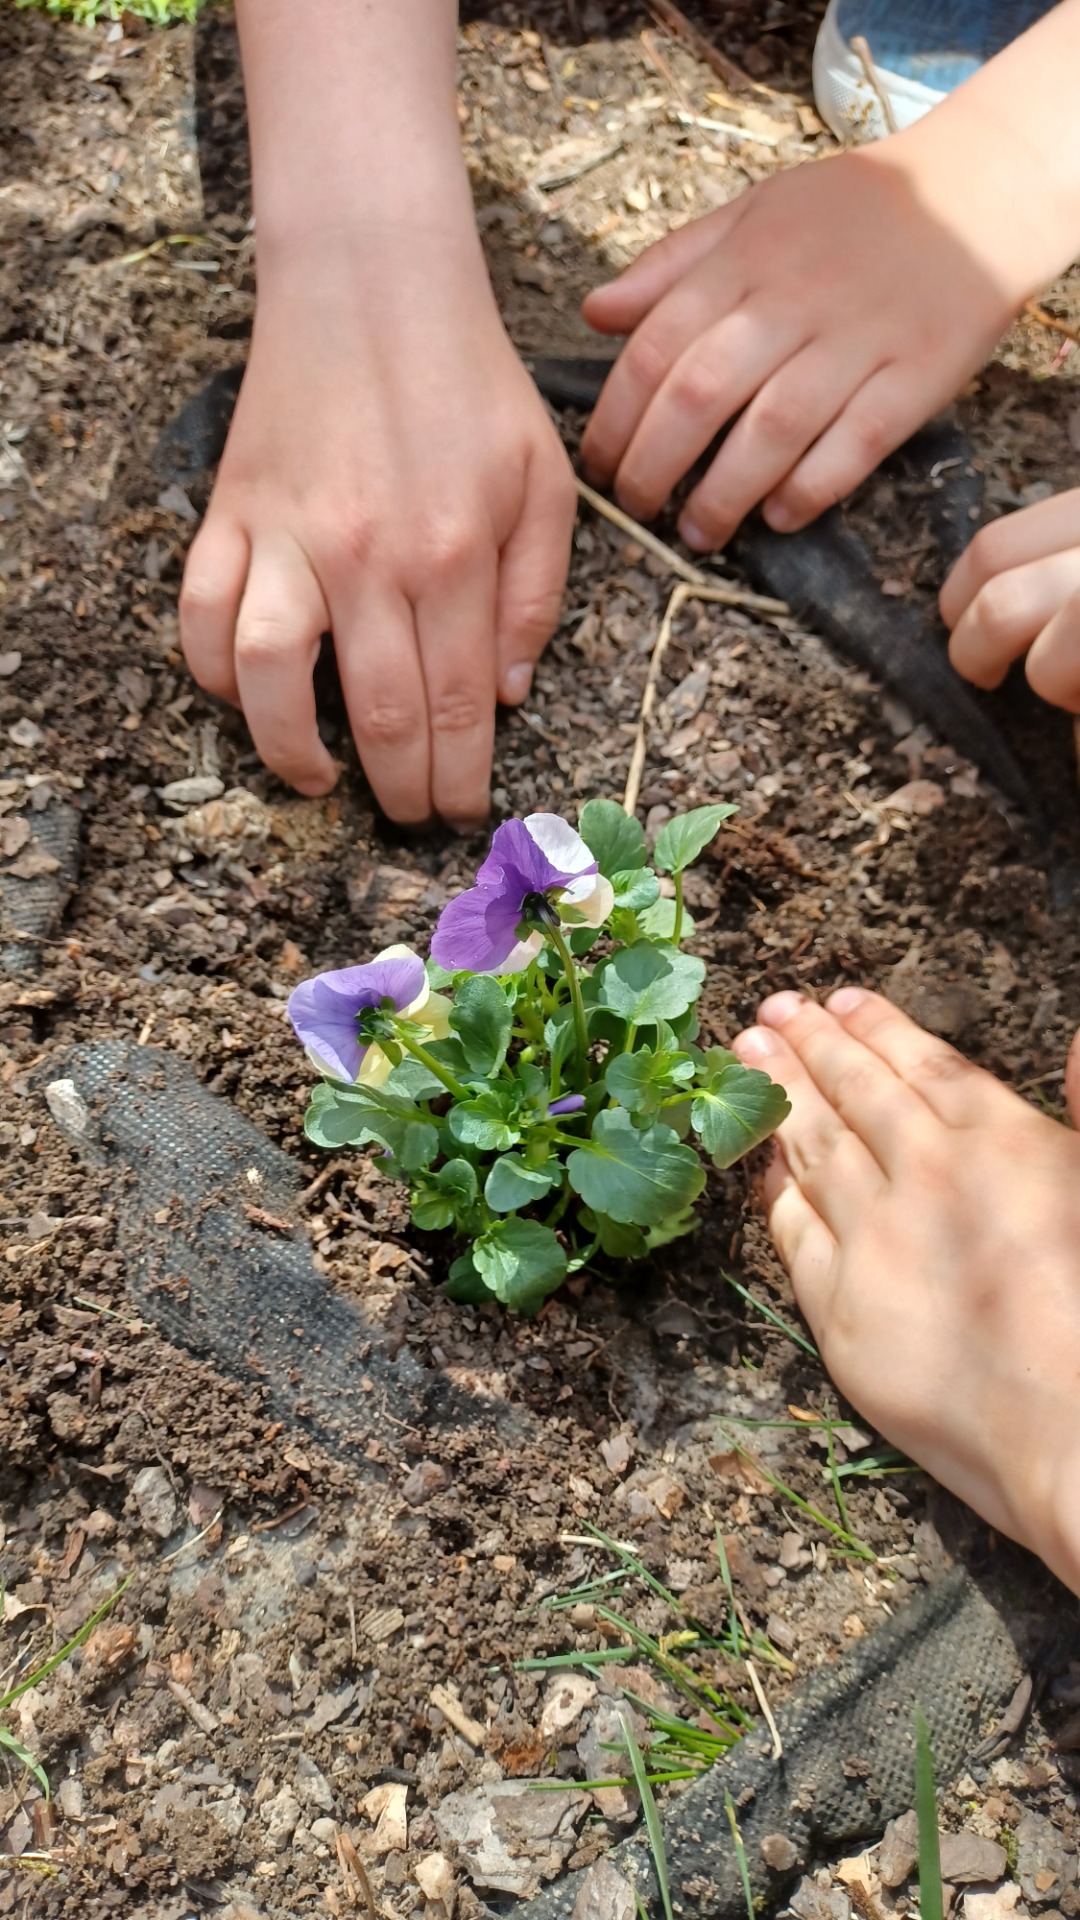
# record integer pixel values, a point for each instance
(740, 1855)
(57, 1659)
(25, 1759)
(931, 1897)
(652, 1816)
(769, 1314)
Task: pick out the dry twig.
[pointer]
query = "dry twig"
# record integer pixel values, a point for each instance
(1050, 322)
(724, 592)
(667, 15)
(766, 1710)
(860, 47)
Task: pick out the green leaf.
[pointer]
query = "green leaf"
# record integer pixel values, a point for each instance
(482, 1019)
(614, 838)
(658, 921)
(521, 1261)
(413, 1081)
(637, 1080)
(484, 1122)
(679, 842)
(438, 978)
(647, 983)
(636, 889)
(618, 1241)
(25, 1759)
(931, 1891)
(458, 1179)
(737, 1109)
(663, 1232)
(447, 1199)
(636, 1177)
(511, 1184)
(464, 1284)
(432, 1211)
(559, 1039)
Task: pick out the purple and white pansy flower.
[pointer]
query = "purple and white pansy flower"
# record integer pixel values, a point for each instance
(331, 1012)
(537, 868)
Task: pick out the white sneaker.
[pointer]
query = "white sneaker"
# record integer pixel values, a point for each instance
(920, 52)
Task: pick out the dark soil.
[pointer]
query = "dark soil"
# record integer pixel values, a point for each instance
(233, 1668)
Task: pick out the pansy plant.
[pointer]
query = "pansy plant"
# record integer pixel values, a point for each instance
(538, 1084)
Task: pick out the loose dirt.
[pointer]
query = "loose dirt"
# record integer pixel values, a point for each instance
(252, 1689)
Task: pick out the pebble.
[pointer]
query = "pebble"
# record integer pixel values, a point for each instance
(509, 1837)
(155, 1500)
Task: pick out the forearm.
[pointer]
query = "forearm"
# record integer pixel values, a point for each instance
(1006, 147)
(353, 123)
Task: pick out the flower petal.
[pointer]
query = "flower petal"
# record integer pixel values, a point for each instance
(324, 1010)
(516, 865)
(570, 1103)
(375, 1067)
(436, 1015)
(477, 931)
(523, 954)
(561, 846)
(587, 902)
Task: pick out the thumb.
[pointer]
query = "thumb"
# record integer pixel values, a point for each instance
(623, 303)
(532, 573)
(1072, 1081)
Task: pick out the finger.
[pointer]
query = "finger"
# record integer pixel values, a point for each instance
(1053, 665)
(1012, 541)
(1009, 613)
(210, 597)
(278, 628)
(381, 677)
(836, 1172)
(797, 403)
(456, 630)
(694, 306)
(960, 1093)
(532, 575)
(718, 374)
(803, 1241)
(876, 419)
(855, 1081)
(623, 302)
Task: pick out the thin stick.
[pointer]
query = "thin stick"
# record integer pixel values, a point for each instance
(666, 14)
(860, 47)
(691, 574)
(724, 592)
(1048, 320)
(766, 1710)
(679, 596)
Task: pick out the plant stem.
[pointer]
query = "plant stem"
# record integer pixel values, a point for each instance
(581, 1031)
(676, 931)
(434, 1066)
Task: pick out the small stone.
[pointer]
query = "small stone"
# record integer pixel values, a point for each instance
(1044, 1865)
(324, 1831)
(605, 1894)
(386, 1805)
(67, 1106)
(70, 1795)
(779, 1853)
(898, 1851)
(510, 1838)
(193, 792)
(616, 1453)
(10, 662)
(25, 733)
(435, 1878)
(998, 1903)
(426, 1480)
(175, 500)
(312, 1785)
(966, 1857)
(567, 1700)
(811, 1902)
(155, 1500)
(281, 1817)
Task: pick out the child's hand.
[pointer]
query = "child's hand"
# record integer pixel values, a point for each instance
(833, 308)
(1016, 590)
(392, 477)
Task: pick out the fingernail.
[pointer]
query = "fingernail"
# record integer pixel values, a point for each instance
(693, 537)
(779, 518)
(465, 827)
(846, 999)
(315, 789)
(516, 682)
(755, 1044)
(779, 1008)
